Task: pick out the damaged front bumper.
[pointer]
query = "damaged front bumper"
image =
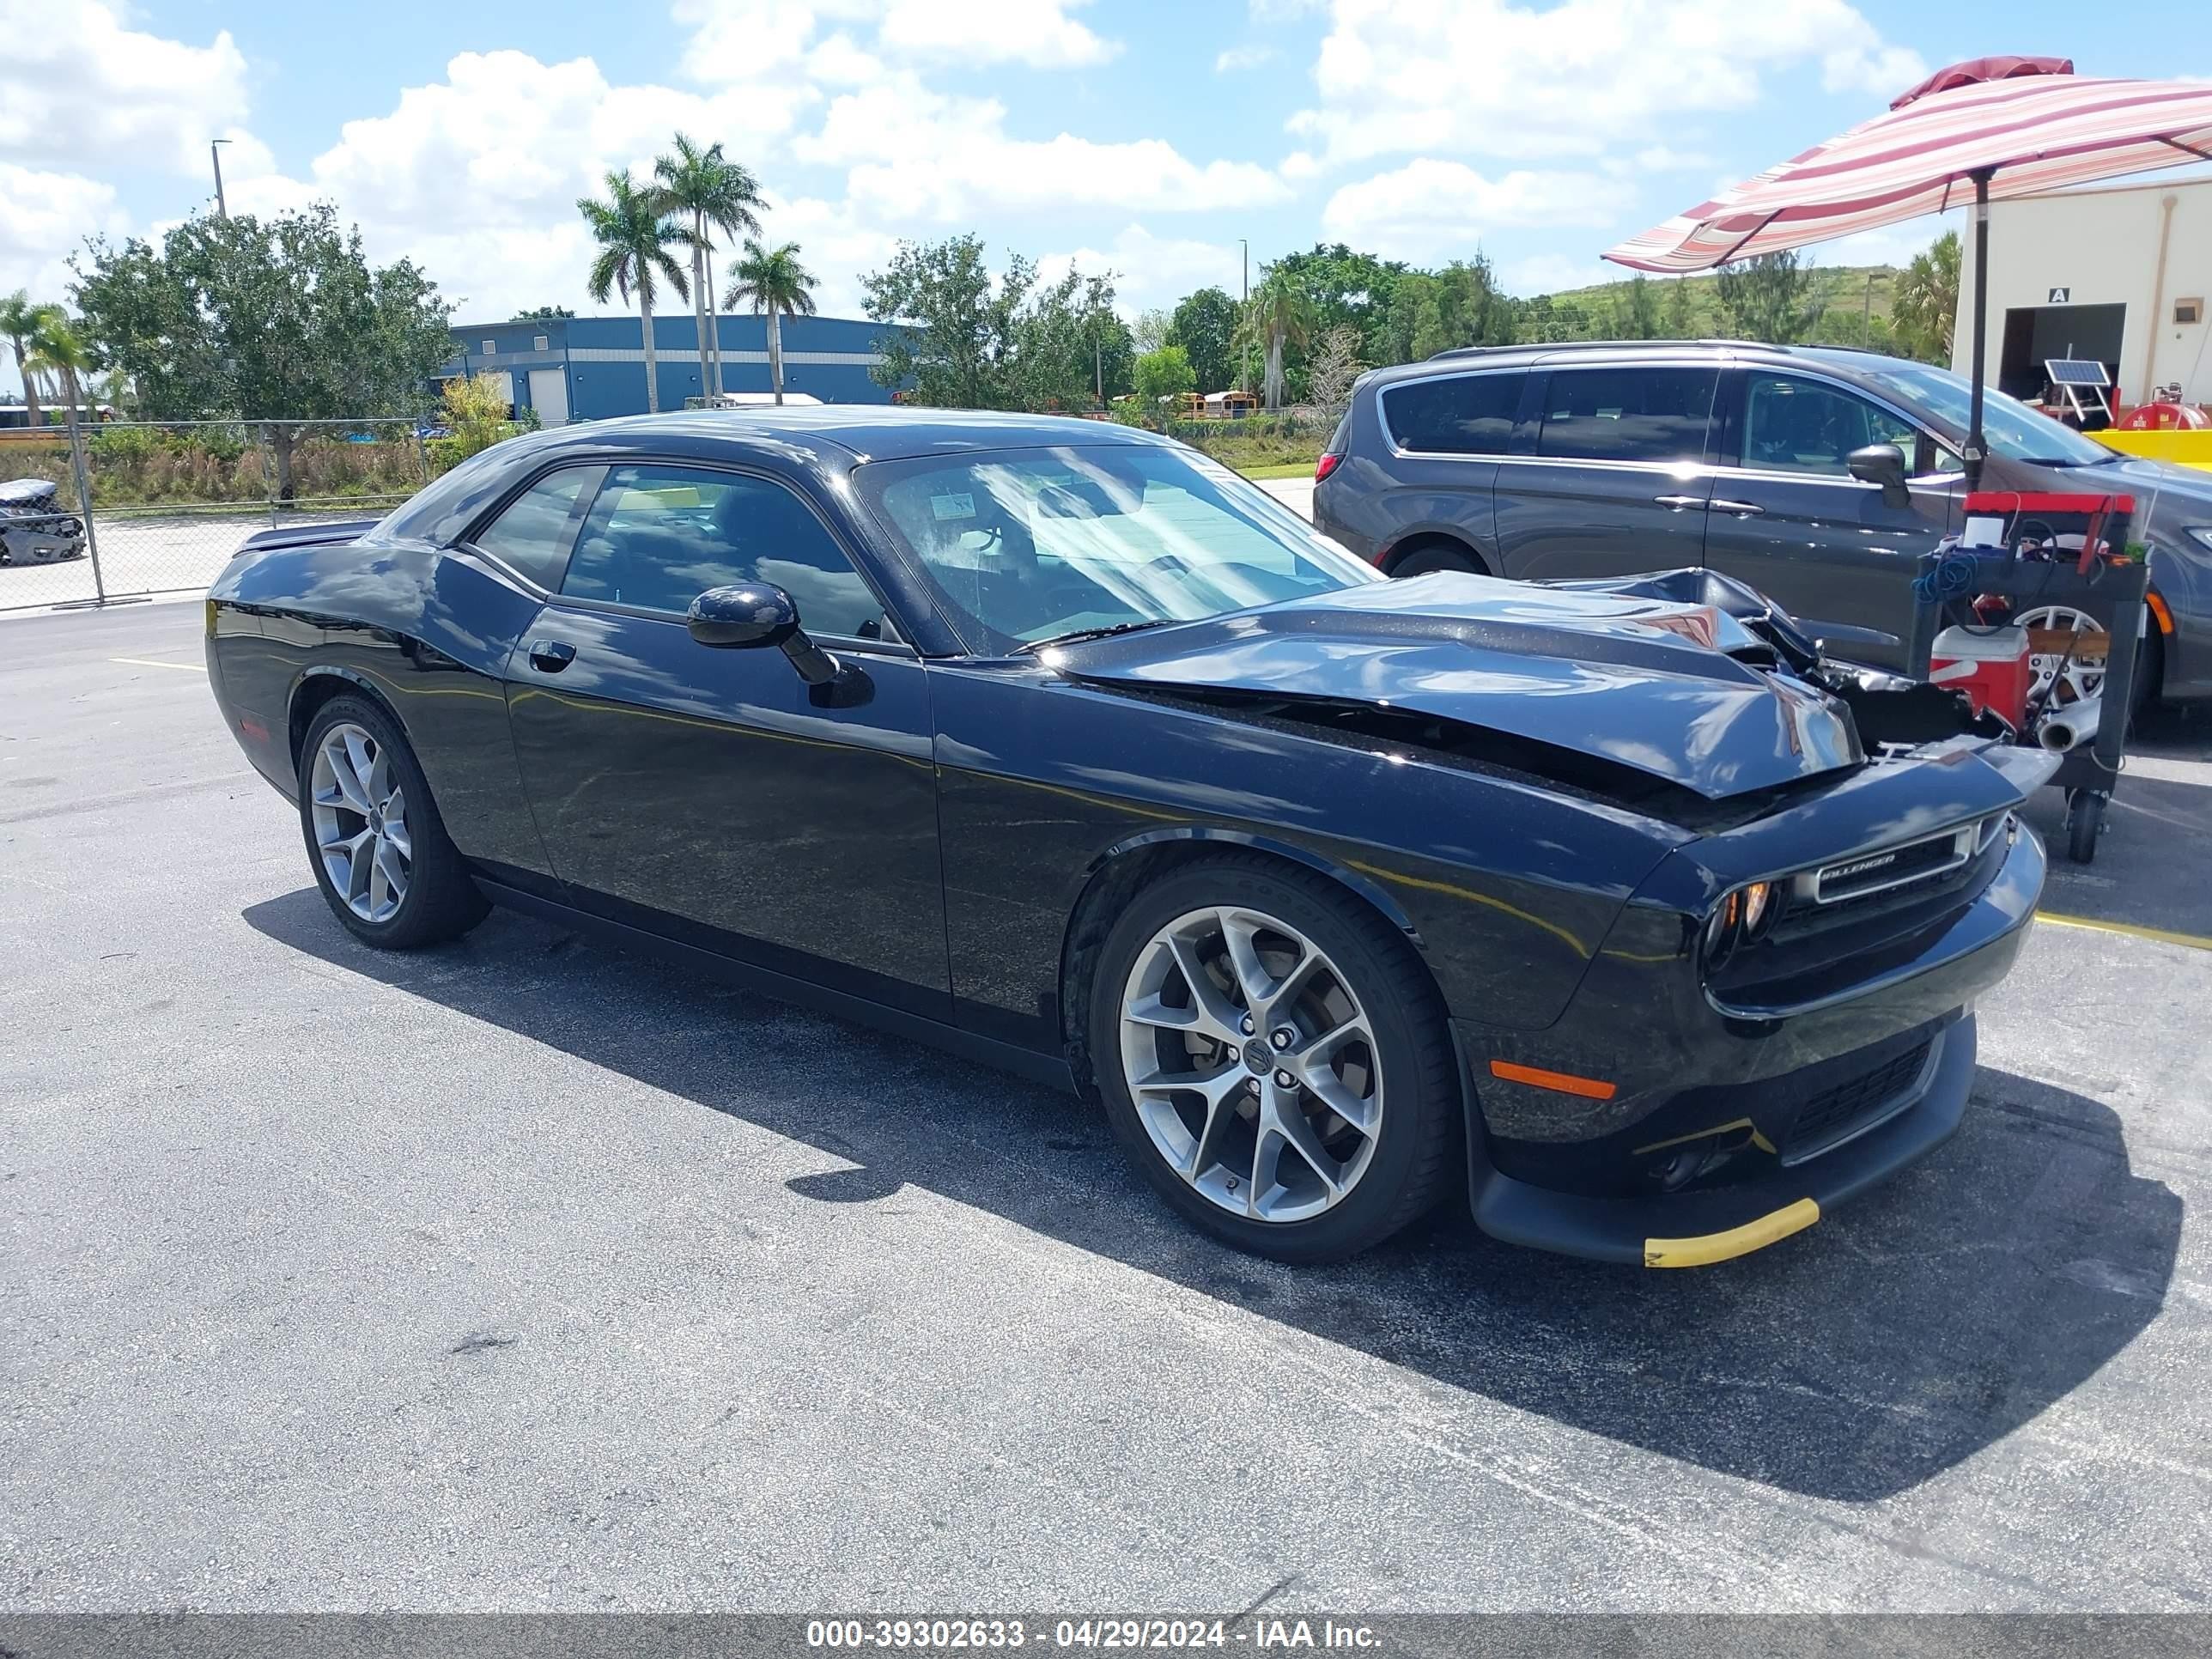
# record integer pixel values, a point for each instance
(1742, 1124)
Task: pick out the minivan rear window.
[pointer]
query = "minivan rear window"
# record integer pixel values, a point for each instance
(1457, 415)
(1627, 414)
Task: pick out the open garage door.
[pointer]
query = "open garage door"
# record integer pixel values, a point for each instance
(2034, 335)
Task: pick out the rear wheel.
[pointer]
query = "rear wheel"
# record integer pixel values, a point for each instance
(379, 849)
(1275, 1059)
(1430, 557)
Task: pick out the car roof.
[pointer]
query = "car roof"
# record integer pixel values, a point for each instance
(873, 432)
(1843, 360)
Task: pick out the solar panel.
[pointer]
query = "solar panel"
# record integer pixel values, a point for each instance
(2075, 371)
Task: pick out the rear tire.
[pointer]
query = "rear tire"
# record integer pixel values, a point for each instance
(1438, 556)
(1363, 1137)
(377, 848)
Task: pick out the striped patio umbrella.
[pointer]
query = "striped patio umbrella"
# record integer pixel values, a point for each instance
(1977, 132)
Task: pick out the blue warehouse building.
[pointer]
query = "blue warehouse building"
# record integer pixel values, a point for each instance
(587, 369)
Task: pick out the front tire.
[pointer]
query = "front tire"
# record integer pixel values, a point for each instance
(1275, 1059)
(376, 844)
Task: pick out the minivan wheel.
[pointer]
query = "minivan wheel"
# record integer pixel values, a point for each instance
(379, 849)
(1438, 556)
(1275, 1059)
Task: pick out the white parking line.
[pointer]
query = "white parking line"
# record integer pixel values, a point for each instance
(148, 662)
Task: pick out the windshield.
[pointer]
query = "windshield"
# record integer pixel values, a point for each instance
(2010, 427)
(1025, 545)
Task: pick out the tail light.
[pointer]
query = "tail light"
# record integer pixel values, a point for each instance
(1325, 465)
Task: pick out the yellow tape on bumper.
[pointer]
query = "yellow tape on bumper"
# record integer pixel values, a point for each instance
(1709, 1248)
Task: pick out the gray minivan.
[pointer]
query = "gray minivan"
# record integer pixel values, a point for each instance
(1816, 474)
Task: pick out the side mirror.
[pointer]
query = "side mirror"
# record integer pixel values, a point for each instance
(755, 613)
(760, 613)
(1882, 465)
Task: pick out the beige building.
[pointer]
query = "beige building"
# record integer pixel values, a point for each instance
(2120, 274)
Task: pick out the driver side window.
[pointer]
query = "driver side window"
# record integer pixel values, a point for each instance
(1791, 425)
(658, 536)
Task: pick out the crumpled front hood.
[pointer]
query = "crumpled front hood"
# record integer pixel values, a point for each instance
(1621, 678)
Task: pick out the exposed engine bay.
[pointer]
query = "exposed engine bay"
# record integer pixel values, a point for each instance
(1889, 709)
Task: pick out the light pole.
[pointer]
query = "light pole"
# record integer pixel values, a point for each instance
(1247, 246)
(221, 207)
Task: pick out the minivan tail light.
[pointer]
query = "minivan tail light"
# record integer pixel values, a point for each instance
(1325, 465)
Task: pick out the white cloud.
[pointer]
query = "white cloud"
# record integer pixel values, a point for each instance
(1153, 270)
(1433, 208)
(750, 40)
(47, 215)
(1036, 32)
(916, 155)
(83, 90)
(1243, 57)
(1498, 78)
(1557, 273)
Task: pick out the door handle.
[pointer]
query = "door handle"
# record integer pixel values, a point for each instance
(552, 656)
(1678, 503)
(1742, 509)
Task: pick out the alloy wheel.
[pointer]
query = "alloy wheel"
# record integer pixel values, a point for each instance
(360, 814)
(1251, 1063)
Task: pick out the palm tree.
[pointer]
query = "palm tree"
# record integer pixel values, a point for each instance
(634, 236)
(57, 348)
(19, 321)
(718, 195)
(772, 280)
(1277, 315)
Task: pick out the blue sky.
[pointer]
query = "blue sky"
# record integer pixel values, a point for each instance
(1143, 136)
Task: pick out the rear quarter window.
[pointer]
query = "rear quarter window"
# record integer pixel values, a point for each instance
(1455, 414)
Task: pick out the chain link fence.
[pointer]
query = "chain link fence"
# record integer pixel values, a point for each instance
(171, 501)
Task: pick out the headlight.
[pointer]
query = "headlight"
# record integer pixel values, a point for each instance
(2200, 533)
(1745, 913)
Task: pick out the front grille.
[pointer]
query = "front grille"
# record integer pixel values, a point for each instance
(1834, 1113)
(1874, 873)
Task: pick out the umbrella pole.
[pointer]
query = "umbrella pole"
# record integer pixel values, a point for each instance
(1972, 458)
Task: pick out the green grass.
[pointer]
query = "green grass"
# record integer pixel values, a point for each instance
(1283, 470)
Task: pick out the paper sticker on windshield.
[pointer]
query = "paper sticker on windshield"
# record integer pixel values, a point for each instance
(953, 506)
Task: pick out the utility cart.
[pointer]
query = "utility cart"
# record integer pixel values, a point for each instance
(2061, 568)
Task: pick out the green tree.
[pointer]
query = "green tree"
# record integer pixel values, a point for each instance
(58, 349)
(715, 193)
(475, 412)
(1163, 376)
(1681, 319)
(772, 280)
(1345, 288)
(279, 321)
(1773, 297)
(1070, 350)
(544, 314)
(1435, 311)
(1924, 304)
(1152, 331)
(1277, 317)
(955, 337)
(949, 333)
(20, 321)
(1639, 317)
(634, 235)
(1202, 325)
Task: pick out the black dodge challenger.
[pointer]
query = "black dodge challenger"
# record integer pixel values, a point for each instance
(1055, 743)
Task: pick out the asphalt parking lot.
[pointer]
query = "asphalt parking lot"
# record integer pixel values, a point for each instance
(525, 1274)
